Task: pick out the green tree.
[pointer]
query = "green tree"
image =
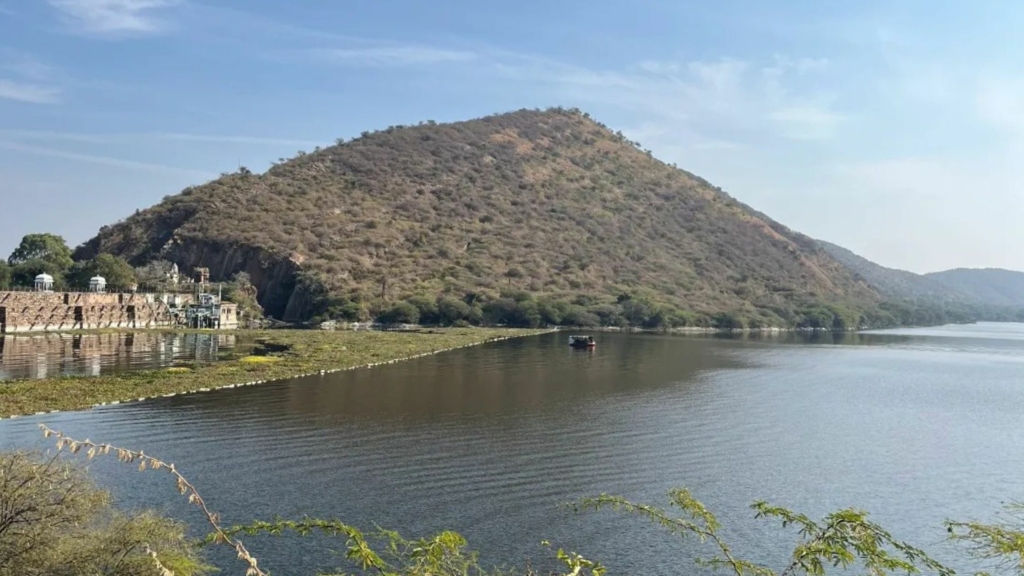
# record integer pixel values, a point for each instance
(513, 274)
(552, 312)
(818, 318)
(510, 312)
(578, 316)
(153, 275)
(46, 247)
(54, 520)
(5, 275)
(427, 308)
(608, 315)
(400, 313)
(315, 293)
(637, 311)
(451, 310)
(241, 291)
(24, 274)
(120, 276)
(728, 321)
(844, 318)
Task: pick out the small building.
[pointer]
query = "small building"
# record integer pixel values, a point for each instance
(228, 316)
(202, 276)
(44, 283)
(97, 284)
(210, 311)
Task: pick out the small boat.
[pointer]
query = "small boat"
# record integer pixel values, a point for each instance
(582, 342)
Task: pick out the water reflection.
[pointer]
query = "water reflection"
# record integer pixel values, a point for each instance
(522, 378)
(39, 356)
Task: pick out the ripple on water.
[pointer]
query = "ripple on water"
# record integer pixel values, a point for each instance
(489, 440)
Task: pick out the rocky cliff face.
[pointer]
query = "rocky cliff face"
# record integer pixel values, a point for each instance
(272, 275)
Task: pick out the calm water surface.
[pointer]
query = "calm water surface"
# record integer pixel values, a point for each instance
(38, 356)
(914, 426)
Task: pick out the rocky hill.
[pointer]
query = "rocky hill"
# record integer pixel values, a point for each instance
(548, 203)
(989, 285)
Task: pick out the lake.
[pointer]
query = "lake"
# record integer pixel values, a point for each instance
(38, 356)
(913, 425)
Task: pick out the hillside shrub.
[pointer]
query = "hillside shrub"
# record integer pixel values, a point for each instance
(400, 313)
(451, 310)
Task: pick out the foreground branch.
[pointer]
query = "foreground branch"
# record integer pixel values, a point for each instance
(184, 487)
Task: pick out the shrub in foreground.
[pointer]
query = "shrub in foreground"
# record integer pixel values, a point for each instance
(55, 521)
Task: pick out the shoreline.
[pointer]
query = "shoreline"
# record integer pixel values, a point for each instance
(306, 353)
(287, 357)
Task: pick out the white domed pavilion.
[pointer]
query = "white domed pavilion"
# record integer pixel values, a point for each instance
(44, 283)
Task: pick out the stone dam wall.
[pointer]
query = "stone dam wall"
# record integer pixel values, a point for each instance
(54, 311)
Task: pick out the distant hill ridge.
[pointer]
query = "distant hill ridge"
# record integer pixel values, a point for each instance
(895, 283)
(953, 296)
(991, 285)
(546, 206)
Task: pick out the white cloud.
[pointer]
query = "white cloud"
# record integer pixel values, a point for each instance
(920, 177)
(107, 138)
(802, 65)
(721, 76)
(927, 212)
(255, 140)
(27, 66)
(807, 122)
(398, 55)
(104, 160)
(714, 104)
(51, 135)
(1000, 102)
(31, 93)
(657, 67)
(716, 145)
(928, 83)
(708, 101)
(32, 79)
(113, 17)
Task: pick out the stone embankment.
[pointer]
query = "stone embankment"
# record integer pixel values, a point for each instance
(56, 311)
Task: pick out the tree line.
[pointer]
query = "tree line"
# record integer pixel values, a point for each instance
(513, 307)
(524, 309)
(49, 254)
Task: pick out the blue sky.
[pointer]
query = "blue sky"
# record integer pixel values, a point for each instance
(893, 128)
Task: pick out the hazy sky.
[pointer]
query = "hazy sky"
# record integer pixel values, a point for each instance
(895, 129)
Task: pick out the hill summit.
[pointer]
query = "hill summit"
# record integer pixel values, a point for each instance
(530, 204)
